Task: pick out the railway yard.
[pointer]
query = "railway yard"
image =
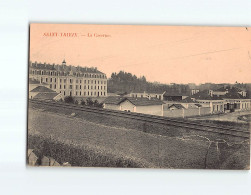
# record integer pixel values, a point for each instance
(147, 140)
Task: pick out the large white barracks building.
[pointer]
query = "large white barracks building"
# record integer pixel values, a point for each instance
(70, 80)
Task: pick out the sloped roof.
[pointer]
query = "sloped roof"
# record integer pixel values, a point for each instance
(204, 95)
(178, 106)
(42, 89)
(233, 95)
(188, 100)
(65, 68)
(33, 81)
(45, 96)
(135, 101)
(198, 105)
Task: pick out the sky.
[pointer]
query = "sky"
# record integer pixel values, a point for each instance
(165, 54)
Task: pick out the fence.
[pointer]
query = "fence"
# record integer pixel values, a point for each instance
(187, 112)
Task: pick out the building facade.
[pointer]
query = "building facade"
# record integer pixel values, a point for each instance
(70, 80)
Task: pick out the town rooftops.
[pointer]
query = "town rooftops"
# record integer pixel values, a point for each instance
(229, 88)
(135, 101)
(233, 95)
(64, 68)
(46, 96)
(152, 91)
(42, 89)
(205, 95)
(176, 93)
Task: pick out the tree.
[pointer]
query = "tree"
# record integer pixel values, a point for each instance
(89, 102)
(83, 102)
(69, 99)
(96, 103)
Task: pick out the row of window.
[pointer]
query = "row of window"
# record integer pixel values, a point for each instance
(56, 73)
(76, 87)
(89, 93)
(71, 81)
(159, 97)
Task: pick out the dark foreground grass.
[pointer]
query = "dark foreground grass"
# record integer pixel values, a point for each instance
(77, 155)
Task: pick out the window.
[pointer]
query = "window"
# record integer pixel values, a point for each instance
(98, 87)
(65, 80)
(95, 93)
(80, 81)
(92, 81)
(55, 80)
(46, 79)
(91, 87)
(50, 85)
(51, 79)
(60, 86)
(101, 82)
(104, 93)
(55, 86)
(77, 81)
(88, 93)
(101, 93)
(79, 86)
(76, 93)
(84, 87)
(80, 93)
(95, 86)
(70, 86)
(84, 94)
(60, 80)
(101, 87)
(104, 82)
(70, 80)
(88, 86)
(95, 81)
(64, 92)
(85, 81)
(104, 87)
(76, 87)
(64, 86)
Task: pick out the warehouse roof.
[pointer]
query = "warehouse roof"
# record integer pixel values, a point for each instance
(135, 101)
(42, 89)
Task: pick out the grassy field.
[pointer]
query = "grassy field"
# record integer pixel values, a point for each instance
(102, 145)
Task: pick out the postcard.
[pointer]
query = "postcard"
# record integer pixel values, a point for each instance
(139, 96)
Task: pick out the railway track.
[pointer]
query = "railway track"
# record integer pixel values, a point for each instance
(198, 126)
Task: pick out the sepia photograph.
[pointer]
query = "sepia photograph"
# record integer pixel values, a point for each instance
(139, 96)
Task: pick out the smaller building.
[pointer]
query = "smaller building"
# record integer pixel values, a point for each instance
(44, 93)
(148, 94)
(143, 105)
(175, 95)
